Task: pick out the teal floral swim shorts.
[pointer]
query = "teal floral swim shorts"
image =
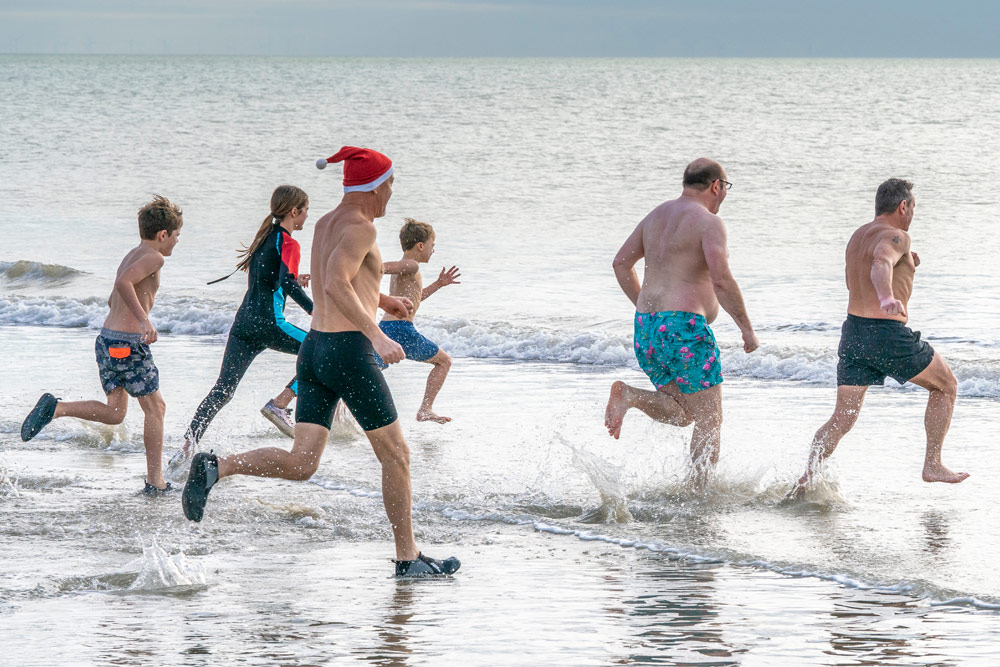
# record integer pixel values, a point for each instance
(675, 346)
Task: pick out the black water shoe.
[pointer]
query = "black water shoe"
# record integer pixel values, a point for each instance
(424, 566)
(39, 417)
(150, 490)
(204, 474)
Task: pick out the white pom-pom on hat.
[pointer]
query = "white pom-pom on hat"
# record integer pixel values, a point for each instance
(321, 163)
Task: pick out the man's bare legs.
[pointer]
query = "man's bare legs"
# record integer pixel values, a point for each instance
(303, 460)
(938, 379)
(660, 405)
(112, 412)
(705, 409)
(442, 364)
(670, 406)
(845, 414)
(154, 409)
(393, 453)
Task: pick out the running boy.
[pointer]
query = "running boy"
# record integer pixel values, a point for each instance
(123, 358)
(417, 240)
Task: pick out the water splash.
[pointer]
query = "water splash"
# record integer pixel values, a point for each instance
(607, 478)
(8, 485)
(159, 572)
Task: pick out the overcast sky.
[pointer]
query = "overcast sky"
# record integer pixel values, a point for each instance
(840, 28)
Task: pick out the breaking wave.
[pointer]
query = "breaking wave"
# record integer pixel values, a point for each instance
(978, 376)
(24, 272)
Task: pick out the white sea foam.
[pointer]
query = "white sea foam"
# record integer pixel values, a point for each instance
(172, 315)
(462, 337)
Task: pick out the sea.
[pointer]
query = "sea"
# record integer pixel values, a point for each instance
(576, 549)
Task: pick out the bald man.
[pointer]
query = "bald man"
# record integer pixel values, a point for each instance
(686, 279)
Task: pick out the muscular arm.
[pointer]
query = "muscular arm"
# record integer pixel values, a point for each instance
(341, 268)
(624, 264)
(888, 252)
(726, 290)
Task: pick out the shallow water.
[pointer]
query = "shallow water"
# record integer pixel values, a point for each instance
(576, 548)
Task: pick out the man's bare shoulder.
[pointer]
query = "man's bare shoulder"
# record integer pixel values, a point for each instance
(877, 231)
(343, 221)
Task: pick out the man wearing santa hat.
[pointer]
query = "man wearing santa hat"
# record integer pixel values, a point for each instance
(336, 361)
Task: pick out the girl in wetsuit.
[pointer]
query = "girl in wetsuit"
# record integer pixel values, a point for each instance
(272, 261)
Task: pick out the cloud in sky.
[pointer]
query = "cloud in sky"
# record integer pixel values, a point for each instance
(844, 28)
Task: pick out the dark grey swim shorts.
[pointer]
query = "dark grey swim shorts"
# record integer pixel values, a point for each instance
(872, 348)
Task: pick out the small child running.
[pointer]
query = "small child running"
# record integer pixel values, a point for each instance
(123, 358)
(417, 240)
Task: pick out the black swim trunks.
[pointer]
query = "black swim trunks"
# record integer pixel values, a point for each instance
(341, 365)
(125, 361)
(872, 348)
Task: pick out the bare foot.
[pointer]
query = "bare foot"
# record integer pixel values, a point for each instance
(938, 473)
(614, 414)
(430, 416)
(798, 491)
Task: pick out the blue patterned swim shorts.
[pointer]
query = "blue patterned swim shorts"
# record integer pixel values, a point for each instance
(675, 346)
(123, 360)
(416, 346)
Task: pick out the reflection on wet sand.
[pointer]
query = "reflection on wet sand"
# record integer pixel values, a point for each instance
(393, 646)
(678, 616)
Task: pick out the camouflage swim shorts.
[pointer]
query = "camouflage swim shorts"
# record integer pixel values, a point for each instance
(123, 360)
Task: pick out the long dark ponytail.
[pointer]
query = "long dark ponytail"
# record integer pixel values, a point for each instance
(283, 200)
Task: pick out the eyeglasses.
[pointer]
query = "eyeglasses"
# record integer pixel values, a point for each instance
(726, 184)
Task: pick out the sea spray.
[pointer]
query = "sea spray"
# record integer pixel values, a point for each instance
(607, 478)
(159, 572)
(8, 485)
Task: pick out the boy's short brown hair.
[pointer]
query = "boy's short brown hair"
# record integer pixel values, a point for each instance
(414, 232)
(159, 215)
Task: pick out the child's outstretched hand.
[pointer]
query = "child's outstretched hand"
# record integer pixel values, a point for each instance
(449, 276)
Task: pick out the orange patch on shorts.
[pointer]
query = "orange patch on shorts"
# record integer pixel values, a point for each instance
(119, 352)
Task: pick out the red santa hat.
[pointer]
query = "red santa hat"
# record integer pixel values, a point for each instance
(364, 169)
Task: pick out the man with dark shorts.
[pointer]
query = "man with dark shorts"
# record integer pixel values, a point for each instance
(337, 361)
(875, 342)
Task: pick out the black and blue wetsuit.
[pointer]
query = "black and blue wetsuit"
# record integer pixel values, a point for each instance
(260, 322)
